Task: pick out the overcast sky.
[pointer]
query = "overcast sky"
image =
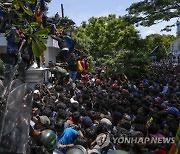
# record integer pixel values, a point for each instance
(82, 10)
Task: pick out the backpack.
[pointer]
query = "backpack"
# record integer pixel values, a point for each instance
(80, 68)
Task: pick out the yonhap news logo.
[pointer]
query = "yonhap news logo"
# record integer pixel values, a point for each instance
(143, 140)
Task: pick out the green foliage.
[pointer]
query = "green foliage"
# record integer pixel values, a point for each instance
(114, 43)
(133, 63)
(150, 12)
(83, 41)
(117, 45)
(31, 1)
(39, 41)
(25, 9)
(100, 36)
(91, 63)
(129, 62)
(36, 38)
(163, 41)
(34, 35)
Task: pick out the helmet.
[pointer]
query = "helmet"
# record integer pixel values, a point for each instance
(48, 139)
(77, 149)
(106, 122)
(1, 69)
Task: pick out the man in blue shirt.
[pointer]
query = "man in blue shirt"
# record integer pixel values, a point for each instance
(66, 139)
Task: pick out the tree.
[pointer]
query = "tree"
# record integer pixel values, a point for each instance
(114, 43)
(150, 12)
(17, 11)
(100, 36)
(117, 45)
(131, 63)
(163, 41)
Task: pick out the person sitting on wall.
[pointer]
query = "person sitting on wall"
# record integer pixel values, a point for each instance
(70, 43)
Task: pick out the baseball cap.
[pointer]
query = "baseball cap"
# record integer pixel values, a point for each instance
(44, 120)
(73, 101)
(36, 92)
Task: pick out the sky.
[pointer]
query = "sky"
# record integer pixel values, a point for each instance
(82, 10)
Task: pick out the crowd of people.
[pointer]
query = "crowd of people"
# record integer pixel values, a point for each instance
(19, 50)
(92, 112)
(17, 40)
(91, 109)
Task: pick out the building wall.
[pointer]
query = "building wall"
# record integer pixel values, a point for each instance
(178, 28)
(50, 54)
(3, 43)
(175, 45)
(175, 50)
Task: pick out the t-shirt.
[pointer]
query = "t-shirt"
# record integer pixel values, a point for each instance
(68, 41)
(67, 137)
(73, 65)
(2, 13)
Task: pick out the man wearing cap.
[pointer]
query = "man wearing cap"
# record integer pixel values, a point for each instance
(73, 100)
(39, 124)
(37, 102)
(42, 123)
(66, 139)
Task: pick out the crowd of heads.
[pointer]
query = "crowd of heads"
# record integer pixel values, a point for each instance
(90, 109)
(147, 106)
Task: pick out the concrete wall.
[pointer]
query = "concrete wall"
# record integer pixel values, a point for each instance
(3, 43)
(175, 46)
(175, 50)
(52, 51)
(178, 28)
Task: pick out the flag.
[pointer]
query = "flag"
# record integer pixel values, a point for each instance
(174, 147)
